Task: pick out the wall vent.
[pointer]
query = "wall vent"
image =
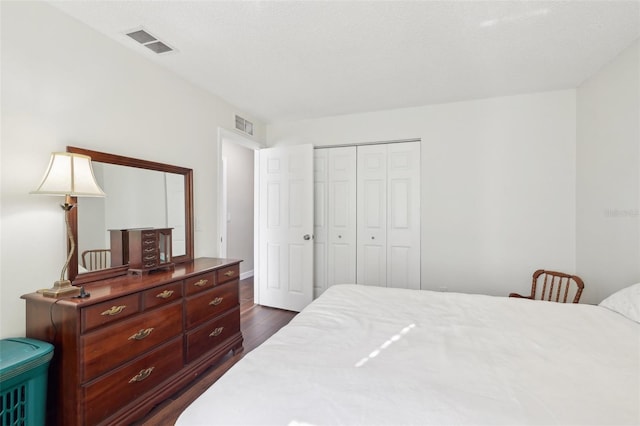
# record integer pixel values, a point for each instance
(244, 125)
(149, 41)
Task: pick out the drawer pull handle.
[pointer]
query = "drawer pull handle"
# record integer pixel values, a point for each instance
(143, 374)
(201, 283)
(165, 294)
(141, 334)
(229, 273)
(216, 332)
(216, 301)
(114, 310)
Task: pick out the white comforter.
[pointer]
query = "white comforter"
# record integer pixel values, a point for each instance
(375, 356)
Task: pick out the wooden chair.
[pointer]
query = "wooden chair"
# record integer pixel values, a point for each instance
(93, 260)
(557, 287)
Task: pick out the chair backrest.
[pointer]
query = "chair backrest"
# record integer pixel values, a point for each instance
(93, 260)
(556, 286)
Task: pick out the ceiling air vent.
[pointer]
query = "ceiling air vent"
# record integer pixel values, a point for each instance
(149, 41)
(244, 125)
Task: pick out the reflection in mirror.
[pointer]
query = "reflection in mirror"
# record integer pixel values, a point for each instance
(136, 198)
(140, 194)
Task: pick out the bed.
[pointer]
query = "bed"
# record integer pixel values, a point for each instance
(377, 356)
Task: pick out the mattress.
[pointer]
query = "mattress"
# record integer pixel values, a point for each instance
(363, 355)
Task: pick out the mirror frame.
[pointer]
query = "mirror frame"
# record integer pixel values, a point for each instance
(103, 157)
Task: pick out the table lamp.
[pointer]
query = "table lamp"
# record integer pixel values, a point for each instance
(69, 175)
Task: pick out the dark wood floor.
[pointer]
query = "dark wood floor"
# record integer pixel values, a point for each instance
(258, 323)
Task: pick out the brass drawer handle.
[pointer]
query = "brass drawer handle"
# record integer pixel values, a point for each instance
(143, 374)
(141, 334)
(165, 294)
(114, 310)
(229, 273)
(216, 332)
(201, 283)
(216, 301)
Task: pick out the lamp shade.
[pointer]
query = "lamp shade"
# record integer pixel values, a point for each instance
(69, 174)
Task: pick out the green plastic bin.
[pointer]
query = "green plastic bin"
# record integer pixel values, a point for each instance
(23, 381)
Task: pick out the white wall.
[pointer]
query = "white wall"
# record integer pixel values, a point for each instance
(65, 84)
(498, 183)
(608, 176)
(239, 204)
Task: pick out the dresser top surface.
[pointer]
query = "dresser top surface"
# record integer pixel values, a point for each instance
(126, 284)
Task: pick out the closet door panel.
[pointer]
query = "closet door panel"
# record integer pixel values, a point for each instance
(399, 267)
(372, 265)
(341, 234)
(372, 215)
(403, 232)
(342, 263)
(399, 203)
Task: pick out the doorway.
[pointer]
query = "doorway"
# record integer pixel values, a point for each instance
(236, 194)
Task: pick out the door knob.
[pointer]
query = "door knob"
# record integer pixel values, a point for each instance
(307, 237)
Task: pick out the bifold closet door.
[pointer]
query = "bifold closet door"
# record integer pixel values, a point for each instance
(335, 217)
(341, 235)
(372, 215)
(388, 215)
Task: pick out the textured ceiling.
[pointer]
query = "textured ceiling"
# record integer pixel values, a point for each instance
(287, 60)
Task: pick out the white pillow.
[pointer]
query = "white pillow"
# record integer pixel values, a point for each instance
(625, 302)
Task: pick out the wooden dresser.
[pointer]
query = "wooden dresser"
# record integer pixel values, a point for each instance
(136, 340)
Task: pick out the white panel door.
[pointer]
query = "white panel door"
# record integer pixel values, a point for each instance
(341, 235)
(372, 215)
(403, 215)
(286, 227)
(320, 226)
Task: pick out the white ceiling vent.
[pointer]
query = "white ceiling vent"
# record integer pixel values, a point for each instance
(150, 42)
(244, 125)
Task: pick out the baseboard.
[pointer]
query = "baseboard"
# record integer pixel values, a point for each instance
(246, 274)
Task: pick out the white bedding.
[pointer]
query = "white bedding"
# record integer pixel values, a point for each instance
(376, 356)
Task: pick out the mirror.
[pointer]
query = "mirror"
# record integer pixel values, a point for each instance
(140, 194)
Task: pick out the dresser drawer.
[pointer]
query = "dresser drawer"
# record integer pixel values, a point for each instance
(208, 336)
(117, 389)
(149, 249)
(205, 306)
(199, 283)
(107, 312)
(227, 274)
(149, 261)
(162, 295)
(104, 349)
(148, 236)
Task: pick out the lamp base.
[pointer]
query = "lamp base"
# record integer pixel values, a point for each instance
(62, 288)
